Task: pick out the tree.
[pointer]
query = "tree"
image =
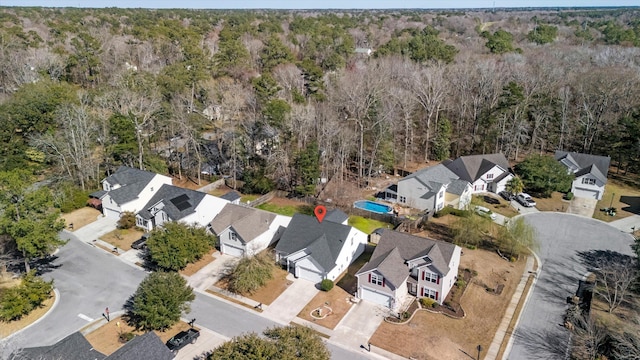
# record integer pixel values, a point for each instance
(470, 230)
(499, 42)
(251, 273)
(21, 300)
(514, 185)
(543, 34)
(516, 237)
(614, 280)
(307, 165)
(442, 142)
(176, 245)
(29, 216)
(159, 301)
(542, 175)
(286, 343)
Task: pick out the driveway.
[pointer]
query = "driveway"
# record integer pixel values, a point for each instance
(522, 209)
(92, 231)
(563, 240)
(358, 326)
(628, 224)
(582, 207)
(289, 304)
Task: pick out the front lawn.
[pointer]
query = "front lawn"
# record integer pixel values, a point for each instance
(80, 217)
(193, 268)
(553, 203)
(624, 198)
(366, 225)
(335, 299)
(122, 238)
(269, 292)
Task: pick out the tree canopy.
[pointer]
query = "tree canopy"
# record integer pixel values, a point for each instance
(175, 245)
(542, 175)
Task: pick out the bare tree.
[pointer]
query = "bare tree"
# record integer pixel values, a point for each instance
(627, 346)
(614, 280)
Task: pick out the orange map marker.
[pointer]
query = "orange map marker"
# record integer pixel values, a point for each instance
(320, 212)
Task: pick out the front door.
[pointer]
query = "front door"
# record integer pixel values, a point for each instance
(413, 289)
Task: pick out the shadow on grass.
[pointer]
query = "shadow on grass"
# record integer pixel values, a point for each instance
(546, 344)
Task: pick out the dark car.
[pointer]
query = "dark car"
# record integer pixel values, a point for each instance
(140, 243)
(506, 195)
(182, 339)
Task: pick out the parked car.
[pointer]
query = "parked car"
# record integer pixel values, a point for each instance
(140, 243)
(484, 212)
(182, 339)
(506, 195)
(525, 200)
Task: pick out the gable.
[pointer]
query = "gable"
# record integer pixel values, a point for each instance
(248, 222)
(175, 201)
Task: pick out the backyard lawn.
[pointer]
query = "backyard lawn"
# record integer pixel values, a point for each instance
(287, 207)
(365, 225)
(625, 198)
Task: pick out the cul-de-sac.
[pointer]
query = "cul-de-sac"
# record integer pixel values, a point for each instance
(278, 181)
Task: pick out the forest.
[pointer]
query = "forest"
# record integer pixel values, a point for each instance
(282, 99)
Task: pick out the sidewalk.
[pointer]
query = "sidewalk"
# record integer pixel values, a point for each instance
(627, 224)
(501, 333)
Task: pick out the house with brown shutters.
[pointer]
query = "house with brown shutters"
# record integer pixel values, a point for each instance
(404, 266)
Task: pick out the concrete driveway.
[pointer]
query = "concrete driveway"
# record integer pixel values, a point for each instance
(94, 230)
(564, 242)
(522, 209)
(582, 207)
(289, 304)
(358, 326)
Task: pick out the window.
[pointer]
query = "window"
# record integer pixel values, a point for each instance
(233, 236)
(427, 276)
(589, 181)
(430, 293)
(440, 195)
(489, 176)
(152, 189)
(403, 199)
(478, 187)
(376, 279)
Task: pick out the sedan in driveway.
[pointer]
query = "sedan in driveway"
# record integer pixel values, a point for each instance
(525, 200)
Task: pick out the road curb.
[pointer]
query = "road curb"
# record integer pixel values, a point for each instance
(55, 303)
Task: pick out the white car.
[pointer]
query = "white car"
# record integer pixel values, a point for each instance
(525, 200)
(484, 212)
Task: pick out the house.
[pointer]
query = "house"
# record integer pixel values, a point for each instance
(173, 203)
(128, 189)
(316, 250)
(245, 231)
(590, 171)
(404, 266)
(432, 188)
(76, 347)
(485, 173)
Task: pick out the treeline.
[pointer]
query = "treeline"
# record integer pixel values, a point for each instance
(283, 98)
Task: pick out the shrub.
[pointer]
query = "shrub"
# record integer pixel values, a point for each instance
(461, 283)
(428, 302)
(126, 337)
(127, 220)
(70, 197)
(251, 273)
(30, 294)
(569, 196)
(326, 285)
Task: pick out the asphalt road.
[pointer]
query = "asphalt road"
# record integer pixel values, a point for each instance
(566, 245)
(89, 279)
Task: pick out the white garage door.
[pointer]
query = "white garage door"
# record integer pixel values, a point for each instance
(586, 193)
(111, 213)
(233, 251)
(308, 274)
(376, 297)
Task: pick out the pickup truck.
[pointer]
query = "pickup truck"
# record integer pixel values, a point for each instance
(182, 339)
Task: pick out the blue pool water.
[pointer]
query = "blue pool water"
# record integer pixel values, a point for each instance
(373, 207)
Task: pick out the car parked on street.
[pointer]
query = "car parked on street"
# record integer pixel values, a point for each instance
(485, 212)
(525, 200)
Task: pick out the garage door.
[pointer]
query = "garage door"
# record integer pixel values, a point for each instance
(586, 193)
(375, 297)
(110, 212)
(308, 274)
(232, 250)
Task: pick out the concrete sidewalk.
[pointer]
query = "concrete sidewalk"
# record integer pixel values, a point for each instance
(289, 304)
(627, 224)
(501, 333)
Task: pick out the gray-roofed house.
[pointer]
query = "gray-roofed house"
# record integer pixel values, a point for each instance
(433, 188)
(485, 173)
(143, 347)
(590, 171)
(403, 266)
(232, 197)
(314, 250)
(128, 189)
(245, 231)
(173, 203)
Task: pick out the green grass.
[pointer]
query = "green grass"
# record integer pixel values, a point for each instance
(248, 198)
(365, 225)
(287, 210)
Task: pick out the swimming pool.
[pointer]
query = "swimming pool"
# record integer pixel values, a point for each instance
(373, 207)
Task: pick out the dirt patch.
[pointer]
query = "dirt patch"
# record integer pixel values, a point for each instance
(336, 299)
(106, 339)
(80, 217)
(269, 292)
(8, 328)
(198, 265)
(449, 338)
(189, 183)
(122, 238)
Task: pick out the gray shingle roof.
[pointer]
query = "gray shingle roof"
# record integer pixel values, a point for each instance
(144, 347)
(457, 186)
(324, 240)
(336, 216)
(178, 202)
(98, 194)
(131, 181)
(231, 196)
(472, 167)
(597, 165)
(248, 222)
(395, 248)
(73, 347)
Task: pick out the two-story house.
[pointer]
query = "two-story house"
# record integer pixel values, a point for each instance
(432, 188)
(485, 173)
(128, 189)
(404, 266)
(590, 171)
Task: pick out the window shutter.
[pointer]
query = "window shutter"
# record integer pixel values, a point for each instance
(438, 280)
(421, 291)
(382, 282)
(423, 275)
(369, 277)
(437, 296)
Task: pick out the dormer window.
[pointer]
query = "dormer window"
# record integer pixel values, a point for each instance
(489, 176)
(588, 181)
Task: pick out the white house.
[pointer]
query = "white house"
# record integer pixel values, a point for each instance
(485, 173)
(404, 266)
(128, 189)
(316, 250)
(590, 171)
(245, 231)
(172, 203)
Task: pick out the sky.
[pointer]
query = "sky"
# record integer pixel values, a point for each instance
(317, 4)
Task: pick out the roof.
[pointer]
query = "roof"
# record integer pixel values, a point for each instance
(394, 249)
(433, 178)
(98, 194)
(336, 216)
(322, 240)
(247, 222)
(178, 202)
(596, 165)
(130, 181)
(144, 347)
(73, 347)
(457, 186)
(231, 196)
(472, 167)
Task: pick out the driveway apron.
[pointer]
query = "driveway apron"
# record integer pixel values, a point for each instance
(582, 206)
(94, 230)
(357, 327)
(287, 306)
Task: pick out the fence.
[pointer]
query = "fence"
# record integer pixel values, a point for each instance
(212, 186)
